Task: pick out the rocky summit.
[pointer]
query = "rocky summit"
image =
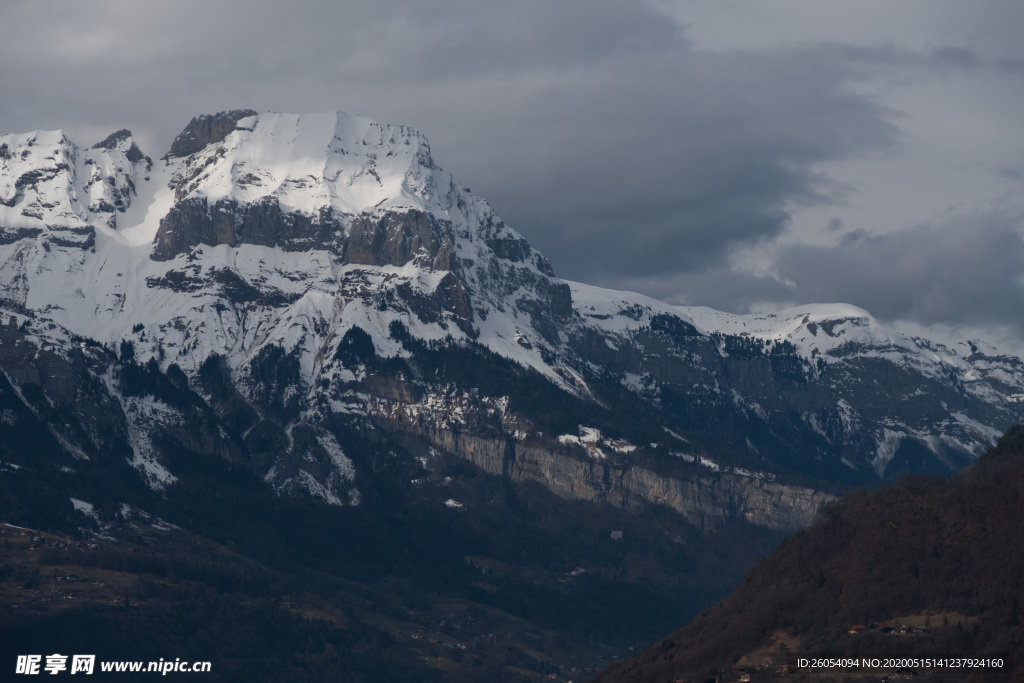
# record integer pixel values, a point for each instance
(296, 277)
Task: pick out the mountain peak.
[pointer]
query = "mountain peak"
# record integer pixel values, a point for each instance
(51, 187)
(299, 180)
(206, 129)
(114, 139)
(123, 141)
(311, 161)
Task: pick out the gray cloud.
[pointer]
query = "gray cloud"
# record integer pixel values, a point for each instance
(719, 287)
(966, 270)
(723, 148)
(596, 128)
(592, 125)
(153, 66)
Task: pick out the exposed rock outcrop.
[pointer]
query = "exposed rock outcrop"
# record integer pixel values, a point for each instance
(395, 239)
(206, 129)
(707, 501)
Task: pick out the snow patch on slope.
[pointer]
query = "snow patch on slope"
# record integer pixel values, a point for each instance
(143, 414)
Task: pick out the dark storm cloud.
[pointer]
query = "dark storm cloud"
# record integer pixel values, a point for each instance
(722, 148)
(965, 271)
(170, 61)
(1011, 173)
(591, 125)
(718, 287)
(594, 127)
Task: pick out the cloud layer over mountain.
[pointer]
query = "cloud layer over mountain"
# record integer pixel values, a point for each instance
(701, 152)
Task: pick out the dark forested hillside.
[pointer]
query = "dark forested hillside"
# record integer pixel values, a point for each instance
(510, 583)
(922, 567)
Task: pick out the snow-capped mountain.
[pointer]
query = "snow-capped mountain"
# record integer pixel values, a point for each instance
(843, 344)
(49, 185)
(291, 292)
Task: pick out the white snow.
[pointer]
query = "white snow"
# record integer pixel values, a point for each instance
(143, 414)
(814, 329)
(673, 434)
(888, 441)
(309, 483)
(591, 440)
(835, 333)
(710, 464)
(139, 224)
(618, 312)
(343, 467)
(73, 187)
(309, 161)
(84, 507)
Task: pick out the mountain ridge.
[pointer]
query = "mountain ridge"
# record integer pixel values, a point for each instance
(263, 242)
(301, 335)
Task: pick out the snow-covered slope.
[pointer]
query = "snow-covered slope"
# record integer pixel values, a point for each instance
(341, 173)
(269, 262)
(841, 333)
(312, 161)
(799, 326)
(830, 376)
(48, 185)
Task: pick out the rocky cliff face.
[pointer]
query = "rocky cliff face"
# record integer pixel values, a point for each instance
(206, 129)
(281, 287)
(705, 499)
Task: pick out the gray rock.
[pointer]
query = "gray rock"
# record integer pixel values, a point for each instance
(206, 129)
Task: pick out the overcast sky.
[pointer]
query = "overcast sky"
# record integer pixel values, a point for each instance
(741, 154)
